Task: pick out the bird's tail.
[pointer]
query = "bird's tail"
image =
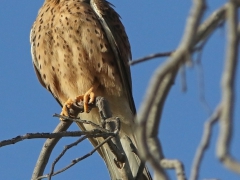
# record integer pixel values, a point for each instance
(126, 165)
(119, 153)
(129, 168)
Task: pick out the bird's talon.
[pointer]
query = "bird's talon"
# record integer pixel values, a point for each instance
(91, 98)
(87, 98)
(65, 109)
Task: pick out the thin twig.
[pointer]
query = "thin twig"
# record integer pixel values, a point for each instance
(105, 135)
(151, 56)
(44, 135)
(75, 161)
(176, 165)
(204, 143)
(201, 84)
(66, 148)
(204, 31)
(81, 121)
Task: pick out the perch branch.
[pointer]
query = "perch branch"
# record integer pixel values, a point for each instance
(65, 118)
(115, 123)
(228, 93)
(112, 125)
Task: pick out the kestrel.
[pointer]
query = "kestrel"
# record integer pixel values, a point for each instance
(80, 50)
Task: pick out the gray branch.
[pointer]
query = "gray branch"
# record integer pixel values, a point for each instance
(112, 129)
(228, 93)
(204, 143)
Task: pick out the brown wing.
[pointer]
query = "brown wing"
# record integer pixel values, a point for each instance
(33, 53)
(118, 40)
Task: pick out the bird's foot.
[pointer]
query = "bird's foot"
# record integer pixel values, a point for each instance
(71, 107)
(66, 108)
(87, 98)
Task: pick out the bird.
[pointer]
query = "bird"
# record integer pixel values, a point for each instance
(80, 50)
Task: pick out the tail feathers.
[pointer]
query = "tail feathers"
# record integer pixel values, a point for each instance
(132, 162)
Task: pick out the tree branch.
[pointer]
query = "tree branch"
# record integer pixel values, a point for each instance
(47, 150)
(151, 109)
(228, 93)
(204, 143)
(47, 135)
(65, 118)
(149, 57)
(174, 164)
(75, 161)
(203, 33)
(109, 131)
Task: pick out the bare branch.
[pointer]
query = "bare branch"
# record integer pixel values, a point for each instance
(152, 56)
(81, 121)
(110, 131)
(204, 31)
(47, 150)
(150, 112)
(108, 135)
(204, 143)
(228, 93)
(174, 164)
(62, 154)
(49, 146)
(39, 135)
(112, 125)
(98, 129)
(105, 135)
(210, 24)
(75, 161)
(115, 123)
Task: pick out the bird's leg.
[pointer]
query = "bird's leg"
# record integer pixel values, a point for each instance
(88, 97)
(67, 105)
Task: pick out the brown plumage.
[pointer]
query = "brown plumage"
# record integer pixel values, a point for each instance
(79, 45)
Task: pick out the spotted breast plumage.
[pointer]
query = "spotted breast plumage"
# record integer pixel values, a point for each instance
(80, 50)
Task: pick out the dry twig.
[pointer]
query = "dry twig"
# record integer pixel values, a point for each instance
(149, 57)
(174, 164)
(228, 93)
(204, 31)
(204, 143)
(107, 133)
(75, 161)
(42, 135)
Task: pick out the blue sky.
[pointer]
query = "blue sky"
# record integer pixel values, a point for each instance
(152, 26)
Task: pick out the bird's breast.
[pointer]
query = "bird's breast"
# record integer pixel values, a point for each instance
(71, 52)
